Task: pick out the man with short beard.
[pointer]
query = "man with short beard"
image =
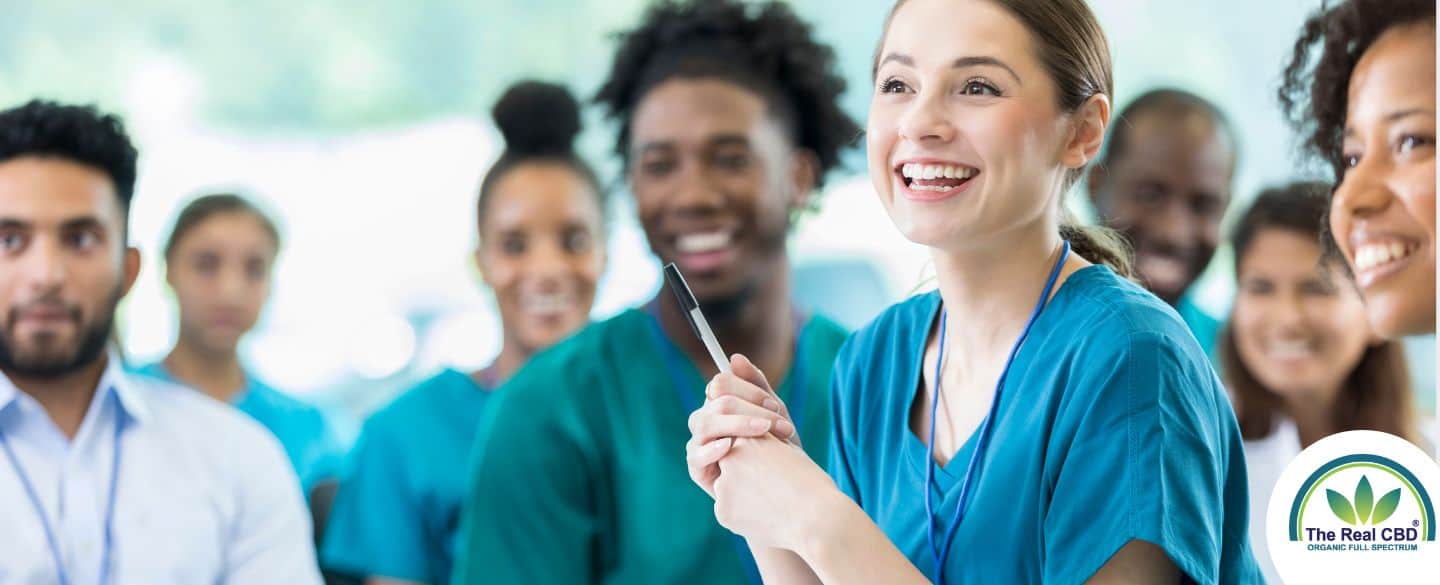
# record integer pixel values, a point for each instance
(104, 477)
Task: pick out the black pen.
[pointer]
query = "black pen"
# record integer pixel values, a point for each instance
(691, 308)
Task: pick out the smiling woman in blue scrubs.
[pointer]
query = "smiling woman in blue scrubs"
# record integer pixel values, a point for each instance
(218, 262)
(1039, 418)
(541, 252)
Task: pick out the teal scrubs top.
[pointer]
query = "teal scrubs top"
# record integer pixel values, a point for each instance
(1205, 327)
(1111, 427)
(579, 474)
(397, 511)
(303, 430)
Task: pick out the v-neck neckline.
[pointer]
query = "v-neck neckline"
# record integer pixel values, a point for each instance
(915, 373)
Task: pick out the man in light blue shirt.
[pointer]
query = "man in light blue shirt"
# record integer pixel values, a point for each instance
(104, 477)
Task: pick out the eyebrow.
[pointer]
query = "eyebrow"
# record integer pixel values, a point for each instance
(78, 223)
(1393, 117)
(961, 63)
(640, 150)
(898, 58)
(726, 139)
(729, 140)
(985, 61)
(81, 223)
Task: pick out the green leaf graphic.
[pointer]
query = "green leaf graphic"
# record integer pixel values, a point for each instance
(1341, 507)
(1386, 506)
(1364, 500)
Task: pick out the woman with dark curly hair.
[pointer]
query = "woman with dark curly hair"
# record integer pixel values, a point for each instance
(729, 120)
(1367, 107)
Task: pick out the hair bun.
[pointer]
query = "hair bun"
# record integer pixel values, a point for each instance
(537, 118)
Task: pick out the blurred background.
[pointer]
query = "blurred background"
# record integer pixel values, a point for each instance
(364, 127)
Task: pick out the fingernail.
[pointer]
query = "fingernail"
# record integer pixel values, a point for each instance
(785, 427)
(760, 424)
(772, 404)
(717, 446)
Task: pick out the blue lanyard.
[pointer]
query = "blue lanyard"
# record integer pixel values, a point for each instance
(692, 399)
(109, 536)
(942, 552)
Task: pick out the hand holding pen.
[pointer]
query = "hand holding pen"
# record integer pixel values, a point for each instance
(745, 453)
(739, 402)
(738, 405)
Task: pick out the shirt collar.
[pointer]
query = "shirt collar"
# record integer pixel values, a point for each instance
(131, 395)
(113, 379)
(8, 392)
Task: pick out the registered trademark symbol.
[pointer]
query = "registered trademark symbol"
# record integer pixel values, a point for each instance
(1415, 523)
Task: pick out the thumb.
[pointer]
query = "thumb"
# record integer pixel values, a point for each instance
(745, 370)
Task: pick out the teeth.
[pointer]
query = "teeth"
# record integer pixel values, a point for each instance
(1290, 349)
(935, 188)
(930, 172)
(1377, 254)
(546, 303)
(1161, 271)
(700, 243)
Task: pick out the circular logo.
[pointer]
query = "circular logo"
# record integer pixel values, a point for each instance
(1356, 507)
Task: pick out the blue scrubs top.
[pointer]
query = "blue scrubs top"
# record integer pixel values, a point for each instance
(397, 512)
(309, 441)
(1112, 427)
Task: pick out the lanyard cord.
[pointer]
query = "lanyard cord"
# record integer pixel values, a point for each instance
(942, 551)
(34, 497)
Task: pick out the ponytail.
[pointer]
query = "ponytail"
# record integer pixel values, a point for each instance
(1099, 245)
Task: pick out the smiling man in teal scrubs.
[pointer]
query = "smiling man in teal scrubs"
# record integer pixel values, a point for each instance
(729, 120)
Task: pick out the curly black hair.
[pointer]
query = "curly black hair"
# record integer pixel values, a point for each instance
(766, 49)
(81, 134)
(1313, 96)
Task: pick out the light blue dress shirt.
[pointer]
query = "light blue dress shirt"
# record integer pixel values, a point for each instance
(302, 429)
(203, 493)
